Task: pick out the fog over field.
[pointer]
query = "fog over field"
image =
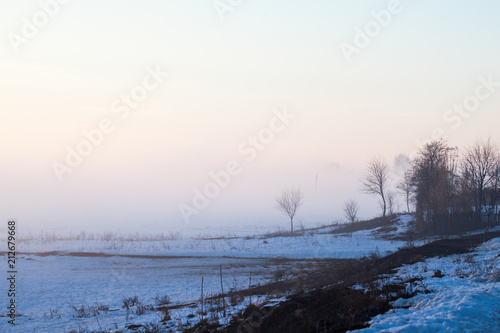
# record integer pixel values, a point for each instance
(154, 96)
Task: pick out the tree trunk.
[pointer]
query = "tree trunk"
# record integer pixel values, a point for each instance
(385, 205)
(291, 225)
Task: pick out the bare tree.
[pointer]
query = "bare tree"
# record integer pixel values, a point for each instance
(495, 191)
(351, 210)
(376, 179)
(405, 187)
(289, 202)
(433, 182)
(479, 169)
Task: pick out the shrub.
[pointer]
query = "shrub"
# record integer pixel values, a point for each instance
(129, 302)
(141, 308)
(162, 300)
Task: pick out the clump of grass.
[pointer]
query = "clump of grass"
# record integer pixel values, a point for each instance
(162, 299)
(129, 302)
(87, 311)
(52, 314)
(140, 310)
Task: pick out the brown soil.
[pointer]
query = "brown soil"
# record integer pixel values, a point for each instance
(332, 306)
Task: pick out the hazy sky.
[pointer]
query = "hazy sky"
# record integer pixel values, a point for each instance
(356, 78)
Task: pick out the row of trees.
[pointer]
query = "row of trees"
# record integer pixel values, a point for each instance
(442, 182)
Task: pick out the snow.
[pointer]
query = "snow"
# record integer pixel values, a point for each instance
(55, 283)
(49, 286)
(466, 299)
(310, 245)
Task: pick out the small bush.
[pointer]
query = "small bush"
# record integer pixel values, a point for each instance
(129, 302)
(162, 300)
(141, 308)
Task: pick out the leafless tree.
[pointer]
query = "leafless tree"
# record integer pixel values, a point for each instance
(376, 179)
(405, 187)
(289, 202)
(495, 190)
(351, 210)
(479, 169)
(433, 182)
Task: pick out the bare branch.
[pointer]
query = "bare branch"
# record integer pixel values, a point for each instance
(479, 168)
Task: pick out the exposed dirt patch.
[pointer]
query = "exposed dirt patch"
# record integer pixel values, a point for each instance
(335, 307)
(332, 310)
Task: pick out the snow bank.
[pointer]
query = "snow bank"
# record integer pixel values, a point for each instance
(466, 299)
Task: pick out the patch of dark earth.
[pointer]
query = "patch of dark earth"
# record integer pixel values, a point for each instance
(323, 298)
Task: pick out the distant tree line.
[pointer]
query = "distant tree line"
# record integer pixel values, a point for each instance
(454, 190)
(451, 191)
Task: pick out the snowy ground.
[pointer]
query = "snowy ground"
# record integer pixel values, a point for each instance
(51, 287)
(312, 244)
(465, 299)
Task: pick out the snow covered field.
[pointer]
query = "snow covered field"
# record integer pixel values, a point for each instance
(96, 275)
(313, 244)
(49, 287)
(465, 299)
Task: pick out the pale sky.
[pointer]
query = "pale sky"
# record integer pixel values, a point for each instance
(226, 79)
